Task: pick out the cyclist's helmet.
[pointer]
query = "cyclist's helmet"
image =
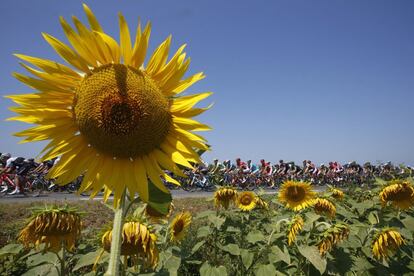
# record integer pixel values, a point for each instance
(6, 155)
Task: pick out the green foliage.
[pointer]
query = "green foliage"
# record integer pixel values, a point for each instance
(232, 242)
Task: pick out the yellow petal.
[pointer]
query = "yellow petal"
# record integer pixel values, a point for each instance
(140, 47)
(154, 172)
(189, 124)
(141, 179)
(66, 53)
(126, 48)
(92, 19)
(159, 57)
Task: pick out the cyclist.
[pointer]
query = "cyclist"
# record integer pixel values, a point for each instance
(3, 160)
(20, 167)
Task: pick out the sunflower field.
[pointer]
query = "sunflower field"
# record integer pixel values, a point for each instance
(358, 231)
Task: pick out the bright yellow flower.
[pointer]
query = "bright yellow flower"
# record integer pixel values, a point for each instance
(137, 241)
(296, 226)
(246, 201)
(337, 194)
(224, 196)
(296, 195)
(52, 228)
(386, 243)
(112, 117)
(324, 206)
(399, 193)
(179, 226)
(331, 237)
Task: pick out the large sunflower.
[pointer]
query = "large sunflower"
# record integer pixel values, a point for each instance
(296, 195)
(107, 114)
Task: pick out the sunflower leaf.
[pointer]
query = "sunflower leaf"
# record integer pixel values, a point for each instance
(311, 253)
(207, 270)
(197, 246)
(278, 255)
(11, 249)
(247, 258)
(203, 231)
(231, 248)
(216, 221)
(265, 270)
(159, 200)
(255, 236)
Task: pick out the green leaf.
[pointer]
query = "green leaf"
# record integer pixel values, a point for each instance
(216, 221)
(158, 200)
(232, 229)
(231, 248)
(197, 246)
(207, 270)
(10, 249)
(278, 255)
(313, 256)
(373, 217)
(310, 219)
(87, 259)
(38, 259)
(42, 270)
(203, 231)
(172, 264)
(255, 236)
(409, 223)
(247, 258)
(265, 270)
(204, 214)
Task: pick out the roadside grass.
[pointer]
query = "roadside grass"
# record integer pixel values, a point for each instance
(97, 215)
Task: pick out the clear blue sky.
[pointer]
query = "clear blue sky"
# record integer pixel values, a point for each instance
(293, 80)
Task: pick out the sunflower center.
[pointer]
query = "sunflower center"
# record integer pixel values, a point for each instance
(246, 200)
(296, 193)
(178, 227)
(121, 111)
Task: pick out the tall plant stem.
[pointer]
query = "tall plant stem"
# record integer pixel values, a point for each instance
(116, 243)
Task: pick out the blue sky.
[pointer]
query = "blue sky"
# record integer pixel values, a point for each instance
(293, 80)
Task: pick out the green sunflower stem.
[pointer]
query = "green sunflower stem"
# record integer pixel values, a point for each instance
(116, 243)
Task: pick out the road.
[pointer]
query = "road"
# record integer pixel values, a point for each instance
(63, 196)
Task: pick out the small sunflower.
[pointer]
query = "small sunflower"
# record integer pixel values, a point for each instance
(52, 227)
(324, 206)
(337, 194)
(331, 237)
(179, 226)
(137, 242)
(386, 243)
(296, 225)
(246, 201)
(296, 195)
(224, 196)
(399, 193)
(261, 203)
(107, 115)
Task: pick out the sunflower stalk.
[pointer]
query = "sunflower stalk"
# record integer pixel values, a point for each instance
(116, 243)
